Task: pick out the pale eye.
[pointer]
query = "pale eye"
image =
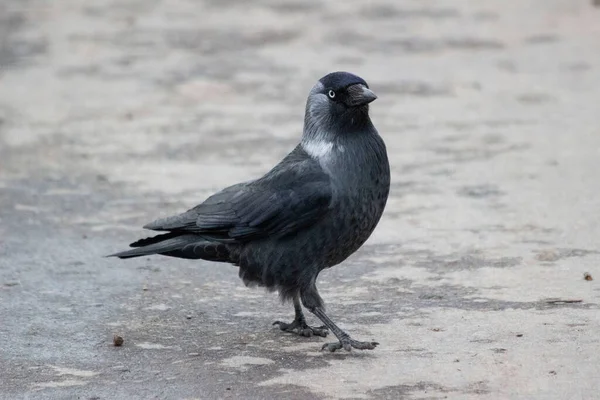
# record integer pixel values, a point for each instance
(331, 94)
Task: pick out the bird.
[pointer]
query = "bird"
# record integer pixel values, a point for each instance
(310, 212)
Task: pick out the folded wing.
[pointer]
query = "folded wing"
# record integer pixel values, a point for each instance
(276, 205)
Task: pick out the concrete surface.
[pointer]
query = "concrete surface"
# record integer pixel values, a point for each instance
(113, 113)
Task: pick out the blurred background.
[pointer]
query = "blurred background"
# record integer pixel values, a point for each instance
(113, 113)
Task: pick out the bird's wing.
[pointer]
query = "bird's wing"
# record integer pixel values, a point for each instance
(259, 212)
(291, 197)
(187, 220)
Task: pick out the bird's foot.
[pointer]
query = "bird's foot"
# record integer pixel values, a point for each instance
(348, 344)
(302, 329)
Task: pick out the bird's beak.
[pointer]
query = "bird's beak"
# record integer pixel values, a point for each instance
(359, 95)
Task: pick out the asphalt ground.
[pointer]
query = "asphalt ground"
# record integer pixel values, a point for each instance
(113, 113)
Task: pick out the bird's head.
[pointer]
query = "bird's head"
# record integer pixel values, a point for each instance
(338, 102)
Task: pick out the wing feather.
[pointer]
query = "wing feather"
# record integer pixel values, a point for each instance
(293, 196)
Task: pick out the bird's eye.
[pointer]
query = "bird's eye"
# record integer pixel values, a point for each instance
(331, 94)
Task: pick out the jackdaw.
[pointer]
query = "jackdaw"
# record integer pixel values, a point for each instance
(310, 212)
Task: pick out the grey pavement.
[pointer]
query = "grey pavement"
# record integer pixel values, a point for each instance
(114, 112)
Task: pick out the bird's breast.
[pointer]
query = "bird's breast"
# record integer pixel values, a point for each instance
(361, 187)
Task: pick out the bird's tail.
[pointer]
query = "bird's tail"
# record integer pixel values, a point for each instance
(175, 244)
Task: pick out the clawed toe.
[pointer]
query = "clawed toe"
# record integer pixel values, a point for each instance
(302, 329)
(348, 345)
(331, 347)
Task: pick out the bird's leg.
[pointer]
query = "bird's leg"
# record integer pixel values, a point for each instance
(345, 341)
(299, 326)
(313, 302)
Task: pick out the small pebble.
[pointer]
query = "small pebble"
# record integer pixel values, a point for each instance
(188, 316)
(118, 340)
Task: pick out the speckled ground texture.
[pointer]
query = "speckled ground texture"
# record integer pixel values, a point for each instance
(113, 113)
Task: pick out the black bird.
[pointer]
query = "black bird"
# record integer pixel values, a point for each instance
(310, 212)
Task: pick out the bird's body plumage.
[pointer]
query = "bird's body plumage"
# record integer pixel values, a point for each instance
(310, 212)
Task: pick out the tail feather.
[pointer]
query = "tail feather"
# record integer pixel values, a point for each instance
(182, 245)
(158, 245)
(155, 239)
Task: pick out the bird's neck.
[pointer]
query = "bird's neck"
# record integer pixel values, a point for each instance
(324, 128)
(323, 140)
